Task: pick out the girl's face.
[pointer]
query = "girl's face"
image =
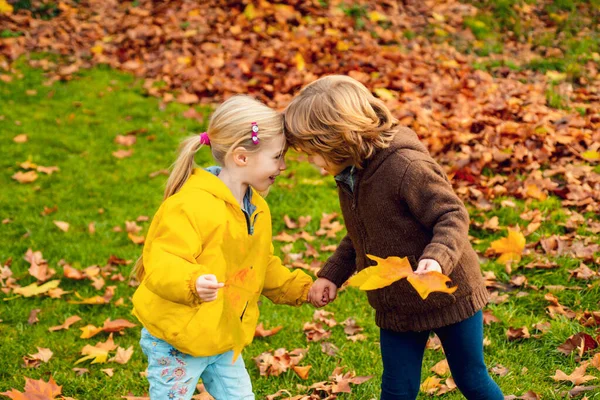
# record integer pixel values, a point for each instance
(266, 164)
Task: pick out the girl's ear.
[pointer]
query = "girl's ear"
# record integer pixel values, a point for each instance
(240, 156)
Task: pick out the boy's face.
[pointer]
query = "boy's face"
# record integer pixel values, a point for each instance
(321, 162)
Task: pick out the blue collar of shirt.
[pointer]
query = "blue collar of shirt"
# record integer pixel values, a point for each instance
(248, 207)
(347, 176)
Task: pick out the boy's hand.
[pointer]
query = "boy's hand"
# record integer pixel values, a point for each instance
(428, 265)
(207, 287)
(322, 292)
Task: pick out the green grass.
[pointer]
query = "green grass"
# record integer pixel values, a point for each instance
(73, 125)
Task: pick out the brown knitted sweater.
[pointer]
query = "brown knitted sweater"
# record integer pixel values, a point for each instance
(402, 204)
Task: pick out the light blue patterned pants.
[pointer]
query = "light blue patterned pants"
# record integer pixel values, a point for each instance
(174, 375)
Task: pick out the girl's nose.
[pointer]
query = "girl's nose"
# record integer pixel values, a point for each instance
(282, 165)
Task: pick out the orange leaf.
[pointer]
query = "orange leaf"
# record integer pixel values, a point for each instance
(386, 272)
(262, 332)
(89, 331)
(430, 282)
(577, 377)
(68, 322)
(302, 372)
(36, 389)
(511, 247)
(25, 177)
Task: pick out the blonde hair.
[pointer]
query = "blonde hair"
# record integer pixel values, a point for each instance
(338, 118)
(230, 127)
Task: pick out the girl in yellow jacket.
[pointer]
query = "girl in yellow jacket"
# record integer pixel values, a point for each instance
(208, 256)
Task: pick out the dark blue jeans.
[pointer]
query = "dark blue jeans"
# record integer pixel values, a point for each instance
(402, 355)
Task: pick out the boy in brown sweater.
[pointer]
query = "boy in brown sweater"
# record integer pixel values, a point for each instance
(396, 201)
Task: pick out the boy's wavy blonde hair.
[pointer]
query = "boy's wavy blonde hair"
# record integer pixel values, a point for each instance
(339, 119)
(230, 127)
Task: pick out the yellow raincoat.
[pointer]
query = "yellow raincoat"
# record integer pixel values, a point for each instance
(202, 230)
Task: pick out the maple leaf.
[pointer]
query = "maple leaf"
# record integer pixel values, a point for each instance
(239, 289)
(36, 389)
(577, 377)
(35, 360)
(430, 282)
(386, 272)
(123, 355)
(22, 138)
(511, 247)
(89, 331)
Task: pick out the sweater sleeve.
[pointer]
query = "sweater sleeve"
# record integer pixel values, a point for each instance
(341, 265)
(283, 286)
(433, 202)
(169, 259)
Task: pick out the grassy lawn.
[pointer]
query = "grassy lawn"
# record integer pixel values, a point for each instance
(73, 126)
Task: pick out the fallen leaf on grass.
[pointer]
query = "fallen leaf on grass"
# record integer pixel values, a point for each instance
(431, 385)
(35, 360)
(517, 333)
(62, 225)
(302, 372)
(441, 368)
(511, 247)
(36, 390)
(123, 355)
(122, 153)
(34, 289)
(22, 138)
(25, 177)
(581, 342)
(68, 322)
(577, 377)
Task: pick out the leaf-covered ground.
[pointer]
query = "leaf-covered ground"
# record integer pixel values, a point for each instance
(505, 94)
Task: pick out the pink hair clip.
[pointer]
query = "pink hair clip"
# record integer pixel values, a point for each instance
(204, 139)
(255, 139)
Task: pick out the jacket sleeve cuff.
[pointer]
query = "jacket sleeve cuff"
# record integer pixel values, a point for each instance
(440, 254)
(336, 273)
(196, 300)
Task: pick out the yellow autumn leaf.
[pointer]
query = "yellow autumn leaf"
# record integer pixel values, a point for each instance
(99, 355)
(5, 8)
(98, 49)
(34, 289)
(386, 272)
(300, 64)
(511, 247)
(384, 94)
(430, 282)
(89, 331)
(239, 290)
(535, 192)
(375, 16)
(250, 12)
(591, 155)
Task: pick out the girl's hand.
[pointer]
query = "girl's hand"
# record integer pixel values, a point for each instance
(207, 287)
(322, 292)
(428, 265)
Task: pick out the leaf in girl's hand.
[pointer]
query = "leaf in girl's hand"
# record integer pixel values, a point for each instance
(386, 272)
(239, 289)
(430, 282)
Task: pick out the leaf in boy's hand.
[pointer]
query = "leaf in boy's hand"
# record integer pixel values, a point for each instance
(386, 272)
(430, 282)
